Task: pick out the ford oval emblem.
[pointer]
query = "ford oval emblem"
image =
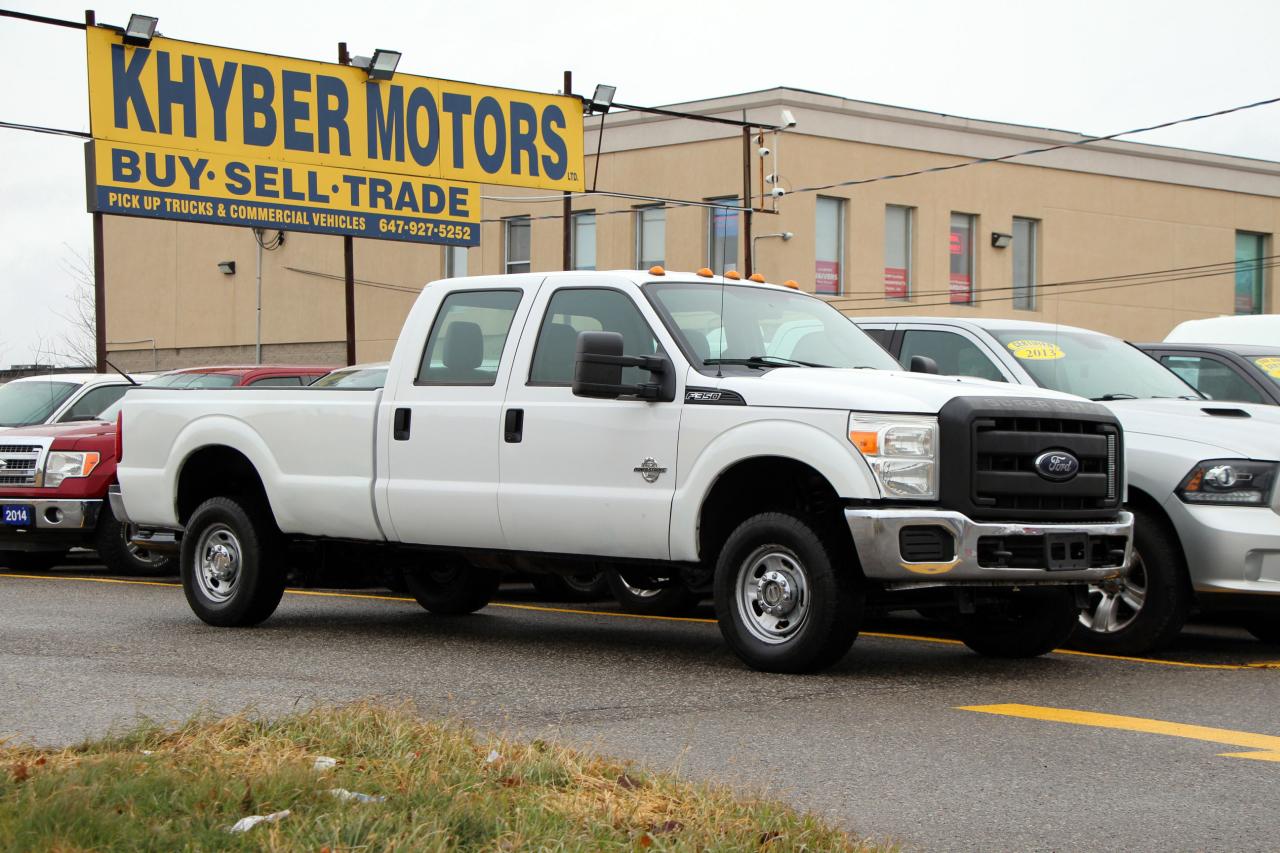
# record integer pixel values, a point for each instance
(1057, 465)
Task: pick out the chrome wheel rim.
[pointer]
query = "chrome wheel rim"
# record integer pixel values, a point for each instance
(773, 595)
(643, 592)
(142, 555)
(1114, 605)
(219, 561)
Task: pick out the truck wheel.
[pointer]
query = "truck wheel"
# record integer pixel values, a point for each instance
(1029, 624)
(31, 561)
(1264, 626)
(453, 587)
(782, 603)
(111, 541)
(671, 598)
(1144, 610)
(586, 587)
(232, 572)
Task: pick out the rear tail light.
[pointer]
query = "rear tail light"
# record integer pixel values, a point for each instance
(119, 436)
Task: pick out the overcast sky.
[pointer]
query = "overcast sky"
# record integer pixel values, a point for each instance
(1093, 67)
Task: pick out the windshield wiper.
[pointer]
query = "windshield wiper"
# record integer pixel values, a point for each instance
(764, 361)
(1105, 397)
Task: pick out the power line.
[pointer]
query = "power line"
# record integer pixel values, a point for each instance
(381, 285)
(908, 305)
(1221, 267)
(39, 128)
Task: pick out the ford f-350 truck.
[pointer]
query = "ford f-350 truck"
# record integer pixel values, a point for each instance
(733, 436)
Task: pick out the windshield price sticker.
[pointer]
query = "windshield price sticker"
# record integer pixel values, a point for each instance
(1271, 364)
(1036, 350)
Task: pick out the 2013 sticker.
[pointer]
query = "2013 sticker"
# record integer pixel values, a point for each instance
(1029, 350)
(1270, 364)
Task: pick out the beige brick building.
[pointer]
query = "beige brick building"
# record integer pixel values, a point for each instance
(1044, 237)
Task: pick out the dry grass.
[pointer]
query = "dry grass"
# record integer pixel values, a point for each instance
(154, 789)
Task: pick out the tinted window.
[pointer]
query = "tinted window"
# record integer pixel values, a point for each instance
(26, 403)
(277, 381)
(93, 402)
(466, 341)
(880, 336)
(956, 355)
(1212, 378)
(574, 310)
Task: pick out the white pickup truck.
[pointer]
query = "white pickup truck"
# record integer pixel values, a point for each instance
(732, 436)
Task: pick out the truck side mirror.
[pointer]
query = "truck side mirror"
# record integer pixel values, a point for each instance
(597, 370)
(923, 364)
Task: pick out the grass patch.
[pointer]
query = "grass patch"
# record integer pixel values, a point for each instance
(154, 789)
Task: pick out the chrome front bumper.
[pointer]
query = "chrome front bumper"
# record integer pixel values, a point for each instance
(876, 537)
(60, 515)
(116, 500)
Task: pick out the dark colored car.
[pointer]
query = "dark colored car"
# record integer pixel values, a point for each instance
(1240, 373)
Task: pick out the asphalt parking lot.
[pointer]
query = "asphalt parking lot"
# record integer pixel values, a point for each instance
(910, 738)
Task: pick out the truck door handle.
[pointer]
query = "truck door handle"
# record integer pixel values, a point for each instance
(400, 427)
(513, 427)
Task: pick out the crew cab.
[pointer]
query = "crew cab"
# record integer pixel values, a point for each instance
(54, 478)
(1202, 473)
(735, 436)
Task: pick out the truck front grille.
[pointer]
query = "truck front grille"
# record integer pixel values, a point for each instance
(21, 463)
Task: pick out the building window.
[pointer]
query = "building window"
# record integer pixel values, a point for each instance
(830, 246)
(455, 261)
(517, 244)
(651, 237)
(964, 228)
(1026, 254)
(722, 236)
(1251, 249)
(897, 251)
(584, 240)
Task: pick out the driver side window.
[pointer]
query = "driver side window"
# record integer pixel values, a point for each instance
(955, 354)
(584, 309)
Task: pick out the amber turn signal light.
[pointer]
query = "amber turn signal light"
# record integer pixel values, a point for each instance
(657, 270)
(705, 272)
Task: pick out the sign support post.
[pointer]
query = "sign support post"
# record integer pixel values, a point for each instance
(348, 259)
(567, 248)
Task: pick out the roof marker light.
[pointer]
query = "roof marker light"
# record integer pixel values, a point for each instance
(706, 272)
(791, 283)
(657, 269)
(756, 277)
(733, 274)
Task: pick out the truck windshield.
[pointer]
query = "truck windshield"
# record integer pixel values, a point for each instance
(762, 328)
(27, 403)
(1091, 365)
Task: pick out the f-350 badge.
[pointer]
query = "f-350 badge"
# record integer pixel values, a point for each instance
(650, 470)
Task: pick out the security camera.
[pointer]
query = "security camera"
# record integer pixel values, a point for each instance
(788, 119)
(771, 178)
(764, 152)
(777, 192)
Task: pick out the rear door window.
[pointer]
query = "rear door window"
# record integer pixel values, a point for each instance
(468, 336)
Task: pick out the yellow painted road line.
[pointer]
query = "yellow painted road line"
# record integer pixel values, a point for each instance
(620, 615)
(1268, 744)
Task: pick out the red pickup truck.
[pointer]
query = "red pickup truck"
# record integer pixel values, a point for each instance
(54, 480)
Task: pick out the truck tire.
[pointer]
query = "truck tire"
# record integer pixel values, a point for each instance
(31, 561)
(586, 587)
(1031, 623)
(452, 588)
(232, 569)
(782, 603)
(111, 541)
(670, 599)
(1145, 610)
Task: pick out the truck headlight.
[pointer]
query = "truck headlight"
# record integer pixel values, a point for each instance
(61, 465)
(902, 451)
(1239, 482)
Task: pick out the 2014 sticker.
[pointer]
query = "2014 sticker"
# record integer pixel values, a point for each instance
(1270, 364)
(1029, 350)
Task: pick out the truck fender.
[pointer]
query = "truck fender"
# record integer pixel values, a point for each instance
(223, 431)
(839, 462)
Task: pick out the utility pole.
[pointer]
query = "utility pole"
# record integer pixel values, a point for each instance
(747, 203)
(566, 260)
(99, 270)
(348, 259)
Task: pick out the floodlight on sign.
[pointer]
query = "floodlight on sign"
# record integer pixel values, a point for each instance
(602, 100)
(141, 29)
(383, 65)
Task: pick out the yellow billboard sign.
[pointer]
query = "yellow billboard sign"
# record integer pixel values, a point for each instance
(388, 146)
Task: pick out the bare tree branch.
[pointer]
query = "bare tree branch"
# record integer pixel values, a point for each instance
(79, 344)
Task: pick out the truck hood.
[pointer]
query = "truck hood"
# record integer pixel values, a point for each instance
(69, 432)
(1253, 437)
(867, 390)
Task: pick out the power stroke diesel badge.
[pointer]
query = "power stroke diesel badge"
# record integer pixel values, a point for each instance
(650, 470)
